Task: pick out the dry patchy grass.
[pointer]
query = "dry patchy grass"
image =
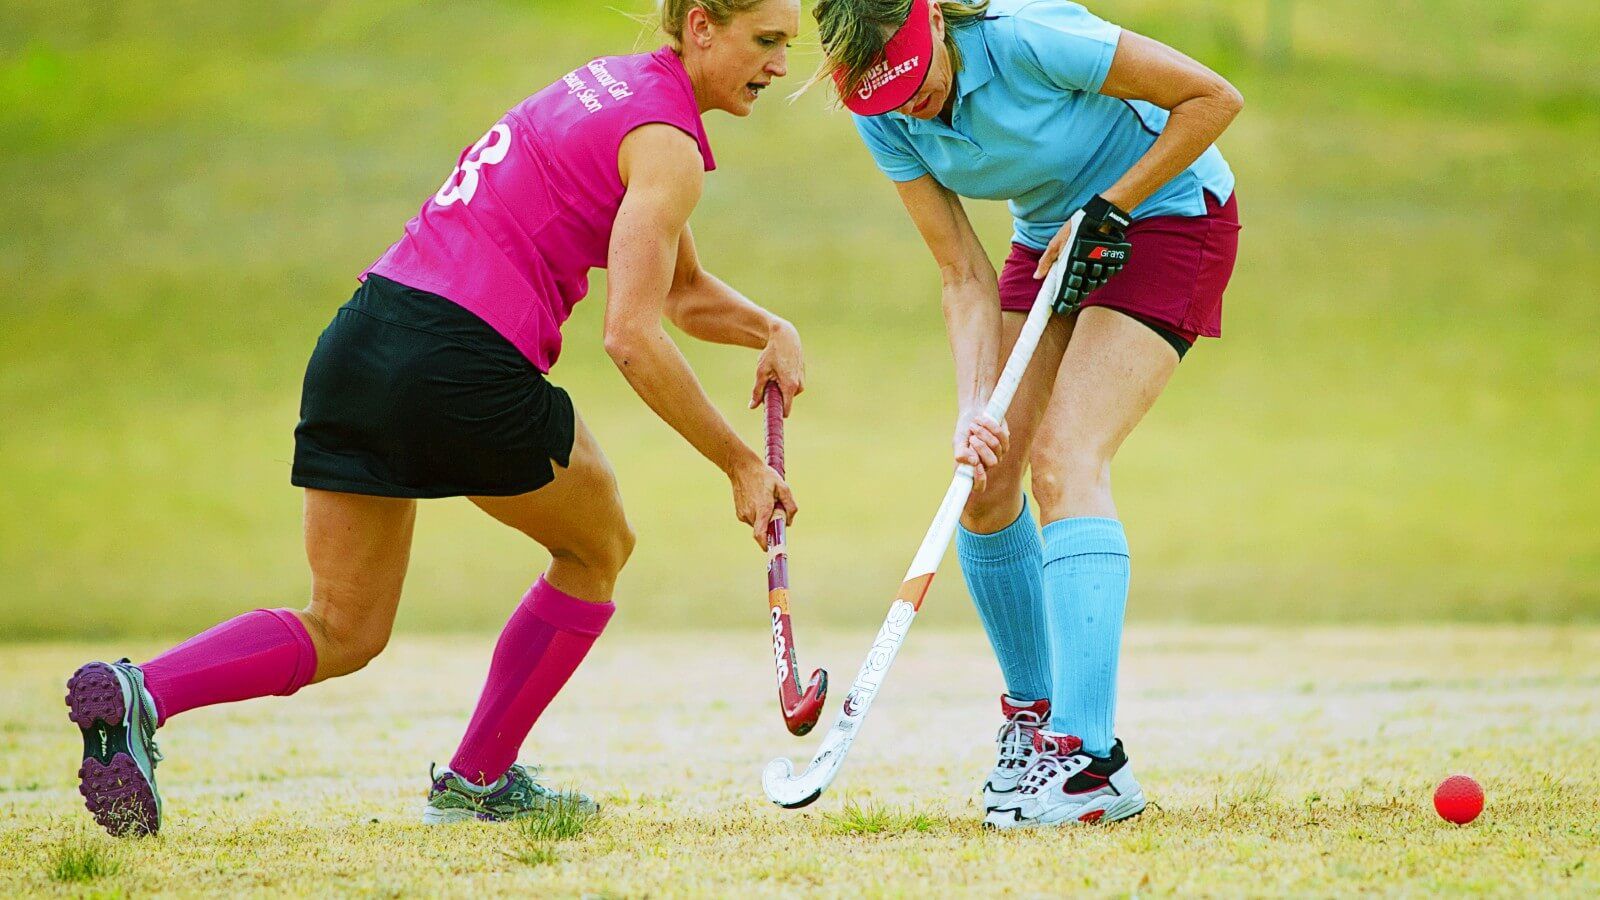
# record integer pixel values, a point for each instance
(1280, 761)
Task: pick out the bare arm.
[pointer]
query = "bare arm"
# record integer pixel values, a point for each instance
(708, 309)
(971, 300)
(1202, 104)
(663, 173)
(970, 289)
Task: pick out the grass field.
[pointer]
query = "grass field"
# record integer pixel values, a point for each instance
(1365, 526)
(1400, 425)
(1280, 761)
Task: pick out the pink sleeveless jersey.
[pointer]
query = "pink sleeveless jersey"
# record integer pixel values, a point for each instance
(514, 231)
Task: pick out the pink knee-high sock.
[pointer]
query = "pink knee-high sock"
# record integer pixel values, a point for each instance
(540, 648)
(259, 653)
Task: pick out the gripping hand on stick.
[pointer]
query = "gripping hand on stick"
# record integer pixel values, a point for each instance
(758, 492)
(792, 790)
(783, 362)
(980, 442)
(1096, 252)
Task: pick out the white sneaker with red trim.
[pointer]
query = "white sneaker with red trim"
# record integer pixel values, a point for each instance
(1014, 743)
(1067, 786)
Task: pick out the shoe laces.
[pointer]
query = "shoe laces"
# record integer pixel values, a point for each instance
(528, 780)
(1016, 739)
(1050, 766)
(147, 723)
(147, 714)
(527, 775)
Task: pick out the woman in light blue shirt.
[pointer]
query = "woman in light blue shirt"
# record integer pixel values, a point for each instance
(1044, 105)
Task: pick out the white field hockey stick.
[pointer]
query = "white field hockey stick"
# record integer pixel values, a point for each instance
(782, 785)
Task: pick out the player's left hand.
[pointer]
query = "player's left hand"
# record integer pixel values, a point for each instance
(980, 442)
(782, 361)
(1098, 251)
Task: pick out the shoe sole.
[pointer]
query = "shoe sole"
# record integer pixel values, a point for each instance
(1118, 810)
(114, 789)
(431, 816)
(995, 800)
(1125, 808)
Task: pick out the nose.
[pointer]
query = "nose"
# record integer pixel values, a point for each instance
(779, 67)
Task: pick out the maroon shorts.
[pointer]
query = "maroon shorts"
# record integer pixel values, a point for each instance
(1175, 276)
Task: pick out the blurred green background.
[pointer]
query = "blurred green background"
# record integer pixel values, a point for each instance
(1403, 422)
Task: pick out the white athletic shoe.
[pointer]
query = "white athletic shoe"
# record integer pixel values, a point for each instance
(1066, 786)
(1014, 742)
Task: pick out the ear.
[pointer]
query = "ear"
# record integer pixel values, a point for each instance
(697, 26)
(936, 20)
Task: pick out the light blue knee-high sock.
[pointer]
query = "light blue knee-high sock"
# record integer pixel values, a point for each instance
(1085, 599)
(1003, 572)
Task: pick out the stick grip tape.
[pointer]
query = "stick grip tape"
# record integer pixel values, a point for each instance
(775, 427)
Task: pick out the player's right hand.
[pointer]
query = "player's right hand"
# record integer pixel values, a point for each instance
(1096, 251)
(758, 492)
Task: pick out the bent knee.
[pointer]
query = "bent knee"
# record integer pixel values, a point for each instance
(622, 542)
(605, 549)
(355, 648)
(347, 643)
(993, 508)
(1060, 471)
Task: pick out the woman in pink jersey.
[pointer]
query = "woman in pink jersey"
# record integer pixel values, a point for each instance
(430, 383)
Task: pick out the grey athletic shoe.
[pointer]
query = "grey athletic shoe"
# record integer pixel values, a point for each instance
(514, 796)
(109, 704)
(1024, 718)
(1067, 786)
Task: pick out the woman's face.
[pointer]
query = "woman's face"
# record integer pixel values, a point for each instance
(934, 95)
(732, 64)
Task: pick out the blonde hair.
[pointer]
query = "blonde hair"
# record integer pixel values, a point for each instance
(674, 13)
(854, 33)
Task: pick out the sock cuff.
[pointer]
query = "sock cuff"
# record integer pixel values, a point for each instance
(1084, 536)
(1020, 538)
(566, 612)
(305, 664)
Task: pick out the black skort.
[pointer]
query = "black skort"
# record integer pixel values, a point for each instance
(410, 395)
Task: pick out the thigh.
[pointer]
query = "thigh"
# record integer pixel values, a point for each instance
(358, 547)
(1033, 393)
(581, 507)
(1113, 370)
(411, 395)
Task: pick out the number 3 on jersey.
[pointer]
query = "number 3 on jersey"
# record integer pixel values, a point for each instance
(462, 185)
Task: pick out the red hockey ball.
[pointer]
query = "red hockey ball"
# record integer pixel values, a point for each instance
(1458, 799)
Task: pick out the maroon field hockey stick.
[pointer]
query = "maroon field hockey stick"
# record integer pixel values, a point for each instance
(801, 708)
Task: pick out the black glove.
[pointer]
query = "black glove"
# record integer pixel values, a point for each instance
(1099, 250)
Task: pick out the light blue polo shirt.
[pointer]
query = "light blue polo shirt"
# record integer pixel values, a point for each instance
(1029, 127)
